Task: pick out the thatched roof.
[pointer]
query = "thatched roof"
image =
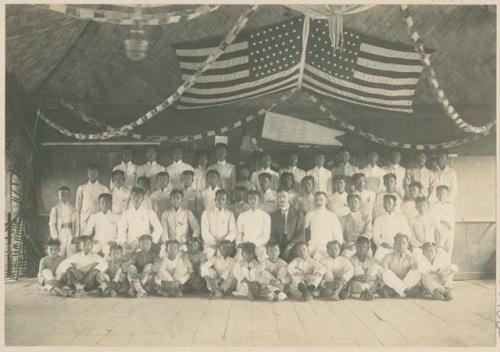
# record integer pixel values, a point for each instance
(55, 56)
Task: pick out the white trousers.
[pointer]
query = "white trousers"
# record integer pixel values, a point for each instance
(411, 279)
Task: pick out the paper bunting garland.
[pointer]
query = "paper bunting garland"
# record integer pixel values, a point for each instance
(376, 139)
(228, 39)
(130, 18)
(162, 139)
(433, 82)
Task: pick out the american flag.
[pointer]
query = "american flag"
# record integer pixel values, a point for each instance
(259, 62)
(367, 71)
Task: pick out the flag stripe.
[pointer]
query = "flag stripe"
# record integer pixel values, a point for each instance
(352, 87)
(220, 78)
(218, 71)
(185, 105)
(359, 95)
(386, 66)
(391, 74)
(388, 46)
(217, 64)
(389, 86)
(242, 87)
(384, 80)
(355, 101)
(389, 59)
(218, 98)
(202, 58)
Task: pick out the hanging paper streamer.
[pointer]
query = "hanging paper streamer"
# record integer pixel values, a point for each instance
(129, 18)
(434, 84)
(376, 139)
(162, 139)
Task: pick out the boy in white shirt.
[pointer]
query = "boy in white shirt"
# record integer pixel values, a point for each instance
(367, 197)
(437, 272)
(119, 192)
(63, 222)
(265, 163)
(337, 201)
(445, 175)
(373, 173)
(217, 224)
(254, 225)
(400, 270)
(239, 202)
(128, 168)
(173, 271)
(322, 176)
(306, 274)
(249, 274)
(367, 279)
(200, 172)
(140, 272)
(177, 167)
(390, 188)
(443, 212)
(103, 226)
(137, 221)
(298, 174)
(386, 226)
(178, 222)
(409, 207)
(226, 170)
(276, 273)
(354, 225)
(206, 198)
(87, 201)
(422, 174)
(144, 183)
(189, 192)
(160, 199)
(287, 183)
(323, 226)
(339, 271)
(395, 168)
(47, 269)
(267, 194)
(218, 271)
(422, 226)
(344, 167)
(82, 270)
(151, 168)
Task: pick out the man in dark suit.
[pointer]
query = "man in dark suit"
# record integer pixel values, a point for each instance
(287, 225)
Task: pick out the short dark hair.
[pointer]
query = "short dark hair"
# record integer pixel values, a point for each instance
(272, 243)
(307, 178)
(170, 242)
(333, 243)
(213, 172)
(63, 188)
(114, 246)
(176, 191)
(357, 176)
(416, 184)
(53, 242)
(84, 238)
(401, 235)
(117, 172)
(162, 173)
(362, 240)
(388, 176)
(352, 196)
(137, 190)
(390, 196)
(339, 178)
(420, 200)
(188, 173)
(253, 193)
(265, 175)
(221, 192)
(106, 195)
(442, 187)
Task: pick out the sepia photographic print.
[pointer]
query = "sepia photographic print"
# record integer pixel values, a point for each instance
(249, 175)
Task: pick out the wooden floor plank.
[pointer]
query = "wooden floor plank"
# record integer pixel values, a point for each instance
(312, 326)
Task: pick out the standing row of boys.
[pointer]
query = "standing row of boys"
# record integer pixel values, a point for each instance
(149, 238)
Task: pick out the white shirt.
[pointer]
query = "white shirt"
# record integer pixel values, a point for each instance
(443, 212)
(216, 225)
(339, 267)
(322, 179)
(177, 223)
(309, 266)
(423, 229)
(254, 226)
(422, 175)
(227, 174)
(275, 178)
(87, 199)
(160, 199)
(150, 170)
(409, 209)
(81, 260)
(325, 227)
(200, 179)
(298, 175)
(374, 176)
(222, 266)
(137, 222)
(206, 199)
(400, 173)
(121, 199)
(338, 204)
(104, 227)
(447, 177)
(379, 204)
(175, 170)
(345, 170)
(442, 262)
(367, 201)
(386, 226)
(130, 171)
(63, 214)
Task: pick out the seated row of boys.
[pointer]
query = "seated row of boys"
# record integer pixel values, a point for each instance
(170, 272)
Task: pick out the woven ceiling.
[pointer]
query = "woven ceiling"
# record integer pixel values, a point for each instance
(57, 56)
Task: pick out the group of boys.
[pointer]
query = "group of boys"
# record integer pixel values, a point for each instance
(267, 234)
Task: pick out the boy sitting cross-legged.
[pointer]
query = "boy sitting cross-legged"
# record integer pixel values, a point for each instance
(115, 276)
(218, 270)
(81, 271)
(173, 271)
(339, 271)
(306, 273)
(47, 269)
(276, 273)
(141, 270)
(197, 257)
